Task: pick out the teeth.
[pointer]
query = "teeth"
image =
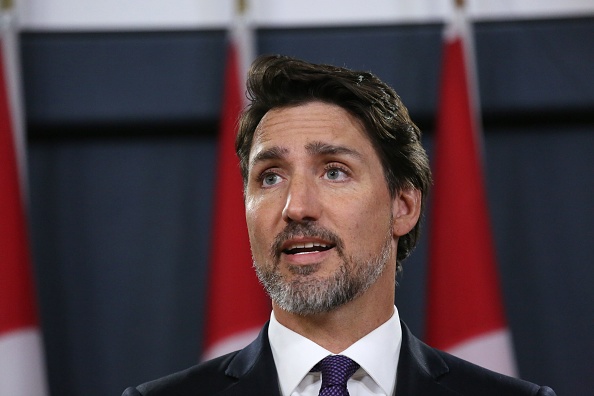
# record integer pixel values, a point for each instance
(307, 245)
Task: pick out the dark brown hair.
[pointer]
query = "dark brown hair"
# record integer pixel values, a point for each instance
(280, 81)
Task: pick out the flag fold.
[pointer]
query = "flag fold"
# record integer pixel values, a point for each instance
(465, 314)
(237, 305)
(22, 367)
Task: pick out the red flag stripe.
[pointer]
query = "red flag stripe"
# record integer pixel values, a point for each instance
(464, 298)
(22, 371)
(17, 308)
(237, 303)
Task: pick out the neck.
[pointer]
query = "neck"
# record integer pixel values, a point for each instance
(341, 327)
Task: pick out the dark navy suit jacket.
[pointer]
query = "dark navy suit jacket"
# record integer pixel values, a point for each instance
(422, 371)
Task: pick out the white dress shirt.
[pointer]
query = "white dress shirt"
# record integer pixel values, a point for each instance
(377, 353)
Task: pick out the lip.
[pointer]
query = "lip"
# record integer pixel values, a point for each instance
(304, 241)
(306, 258)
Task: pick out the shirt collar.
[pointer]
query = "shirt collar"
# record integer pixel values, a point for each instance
(377, 353)
(294, 355)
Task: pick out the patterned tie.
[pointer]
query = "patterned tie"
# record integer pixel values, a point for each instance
(336, 371)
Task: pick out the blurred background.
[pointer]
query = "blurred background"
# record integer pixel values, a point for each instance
(123, 101)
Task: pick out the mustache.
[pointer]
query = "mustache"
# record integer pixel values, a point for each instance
(306, 229)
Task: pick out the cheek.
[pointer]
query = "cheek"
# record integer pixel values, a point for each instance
(254, 210)
(372, 218)
(260, 225)
(264, 210)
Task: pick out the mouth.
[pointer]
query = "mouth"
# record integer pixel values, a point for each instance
(298, 248)
(304, 244)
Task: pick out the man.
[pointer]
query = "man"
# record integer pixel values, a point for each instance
(335, 179)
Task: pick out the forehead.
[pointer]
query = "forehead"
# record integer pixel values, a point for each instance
(302, 124)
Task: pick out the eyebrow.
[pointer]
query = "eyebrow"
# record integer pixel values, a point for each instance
(313, 149)
(321, 148)
(273, 153)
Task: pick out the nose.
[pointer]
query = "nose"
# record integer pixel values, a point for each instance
(302, 202)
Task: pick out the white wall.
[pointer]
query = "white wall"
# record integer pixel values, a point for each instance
(205, 14)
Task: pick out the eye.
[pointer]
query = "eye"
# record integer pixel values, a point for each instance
(270, 179)
(336, 173)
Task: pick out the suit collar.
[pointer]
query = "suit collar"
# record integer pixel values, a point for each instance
(420, 368)
(253, 368)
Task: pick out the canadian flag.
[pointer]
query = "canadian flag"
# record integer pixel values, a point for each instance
(22, 370)
(465, 314)
(237, 306)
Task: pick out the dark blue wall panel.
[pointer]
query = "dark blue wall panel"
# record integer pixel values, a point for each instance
(121, 218)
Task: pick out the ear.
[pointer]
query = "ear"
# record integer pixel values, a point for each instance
(406, 211)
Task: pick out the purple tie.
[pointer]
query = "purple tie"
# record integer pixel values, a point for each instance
(336, 371)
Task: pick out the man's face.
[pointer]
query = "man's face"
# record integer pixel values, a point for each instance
(318, 209)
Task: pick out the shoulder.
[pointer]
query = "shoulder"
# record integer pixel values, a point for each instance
(209, 377)
(469, 379)
(426, 370)
(247, 371)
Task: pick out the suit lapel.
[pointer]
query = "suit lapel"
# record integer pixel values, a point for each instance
(254, 370)
(419, 368)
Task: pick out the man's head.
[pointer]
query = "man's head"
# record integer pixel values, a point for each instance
(279, 82)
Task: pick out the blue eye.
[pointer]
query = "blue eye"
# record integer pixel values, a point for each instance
(270, 179)
(335, 174)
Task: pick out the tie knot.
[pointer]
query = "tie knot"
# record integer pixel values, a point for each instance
(336, 371)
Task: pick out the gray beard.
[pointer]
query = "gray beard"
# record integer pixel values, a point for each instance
(308, 294)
